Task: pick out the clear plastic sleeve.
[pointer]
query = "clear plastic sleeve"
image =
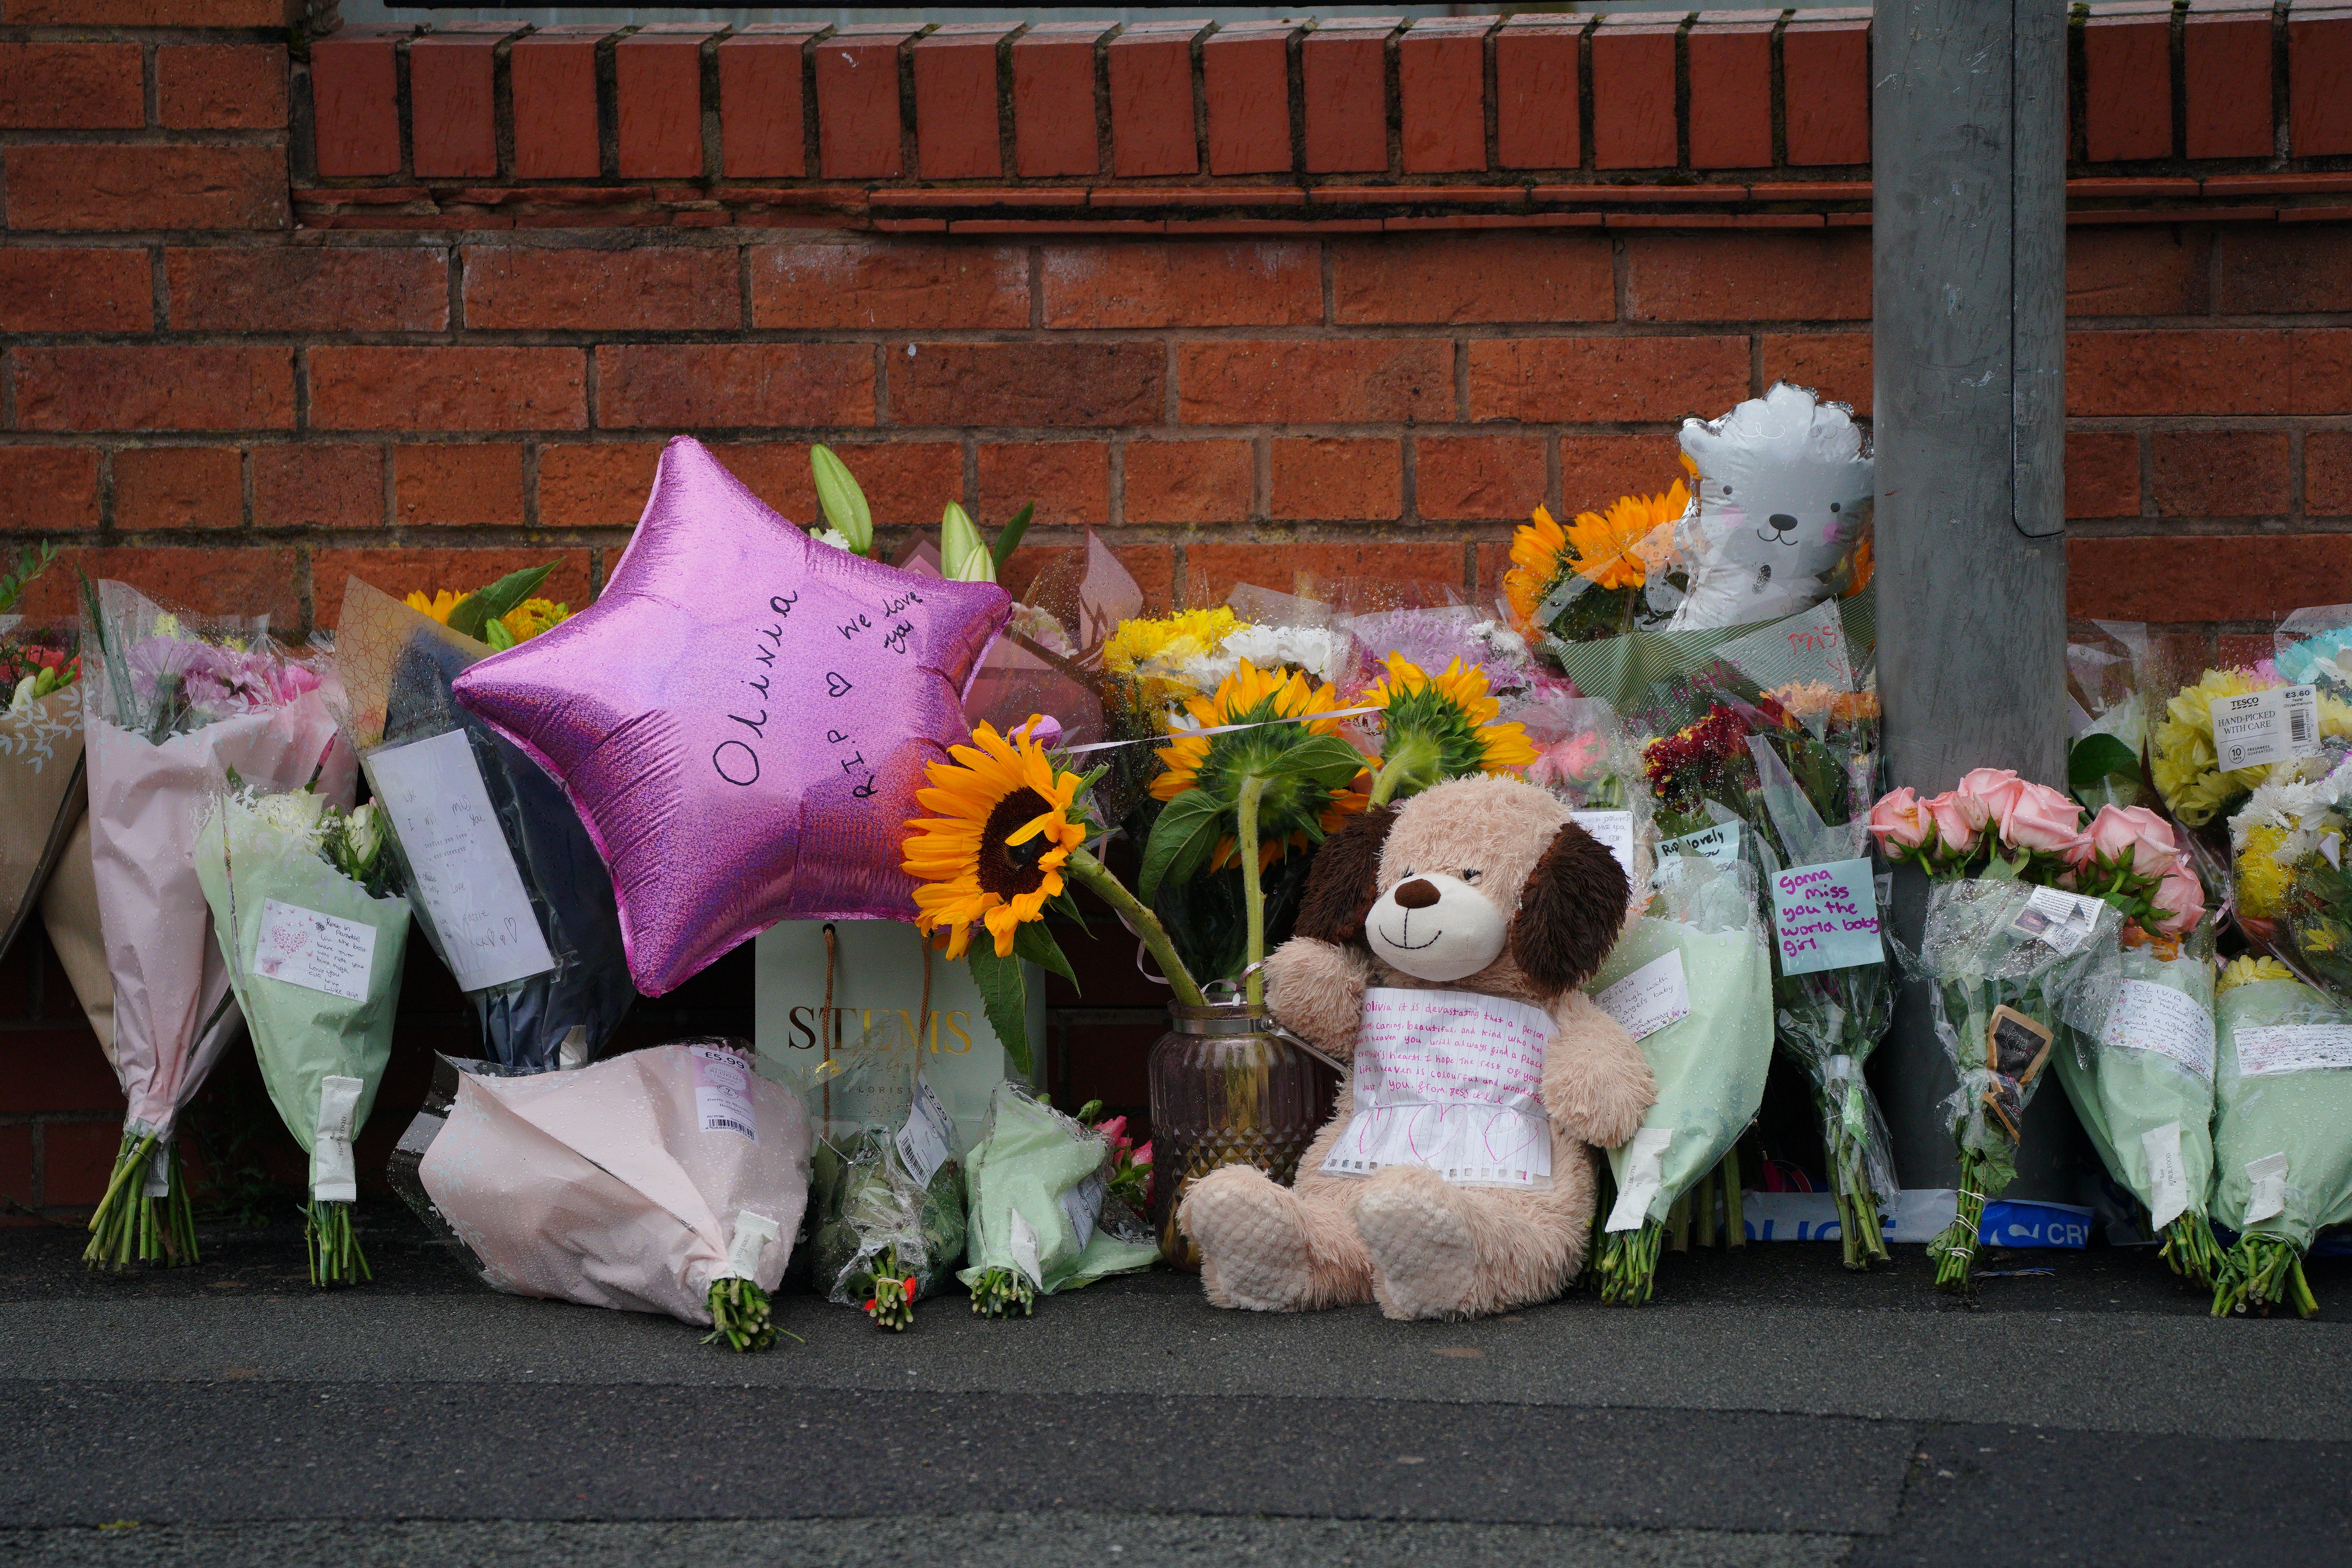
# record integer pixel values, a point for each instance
(526, 890)
(41, 792)
(2106, 712)
(2282, 1086)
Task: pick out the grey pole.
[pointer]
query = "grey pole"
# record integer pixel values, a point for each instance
(1969, 201)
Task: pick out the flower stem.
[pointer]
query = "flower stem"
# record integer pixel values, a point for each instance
(1095, 877)
(1414, 762)
(1253, 890)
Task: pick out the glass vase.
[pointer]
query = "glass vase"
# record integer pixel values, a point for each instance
(1226, 1091)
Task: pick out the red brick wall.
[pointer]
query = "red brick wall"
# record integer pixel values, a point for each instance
(1260, 303)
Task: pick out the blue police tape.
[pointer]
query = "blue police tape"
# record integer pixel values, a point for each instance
(1917, 1215)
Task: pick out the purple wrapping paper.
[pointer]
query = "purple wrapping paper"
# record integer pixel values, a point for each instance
(742, 717)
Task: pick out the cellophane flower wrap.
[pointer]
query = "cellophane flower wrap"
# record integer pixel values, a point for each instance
(2142, 1086)
(2107, 713)
(1592, 758)
(506, 883)
(2281, 1131)
(314, 941)
(41, 791)
(1042, 1216)
(2009, 964)
(886, 1188)
(1702, 928)
(668, 1180)
(1782, 780)
(174, 705)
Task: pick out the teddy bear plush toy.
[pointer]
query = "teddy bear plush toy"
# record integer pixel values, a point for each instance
(1440, 945)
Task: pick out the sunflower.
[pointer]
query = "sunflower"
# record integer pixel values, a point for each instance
(1603, 547)
(1296, 808)
(438, 606)
(532, 617)
(1438, 726)
(997, 851)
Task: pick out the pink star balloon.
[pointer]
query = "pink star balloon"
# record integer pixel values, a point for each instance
(742, 719)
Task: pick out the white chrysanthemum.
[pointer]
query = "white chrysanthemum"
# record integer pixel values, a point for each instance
(297, 812)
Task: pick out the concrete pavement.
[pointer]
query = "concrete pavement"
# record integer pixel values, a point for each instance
(1767, 1409)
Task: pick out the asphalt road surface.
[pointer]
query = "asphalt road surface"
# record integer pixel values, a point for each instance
(1767, 1409)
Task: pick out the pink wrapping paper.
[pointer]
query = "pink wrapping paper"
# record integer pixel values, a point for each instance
(601, 1185)
(166, 968)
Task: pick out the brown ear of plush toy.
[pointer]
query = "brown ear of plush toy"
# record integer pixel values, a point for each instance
(1570, 912)
(1345, 880)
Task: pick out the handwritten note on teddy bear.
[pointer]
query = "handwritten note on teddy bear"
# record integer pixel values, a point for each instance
(1827, 917)
(1452, 1081)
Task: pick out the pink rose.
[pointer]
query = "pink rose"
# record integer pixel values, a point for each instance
(1997, 787)
(1958, 819)
(1900, 822)
(1569, 762)
(2132, 835)
(2038, 818)
(2181, 898)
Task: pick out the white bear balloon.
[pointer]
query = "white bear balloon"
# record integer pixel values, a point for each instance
(1784, 496)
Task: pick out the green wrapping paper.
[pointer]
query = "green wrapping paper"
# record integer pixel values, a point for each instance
(1040, 1207)
(2282, 1135)
(299, 938)
(1709, 1066)
(2143, 1089)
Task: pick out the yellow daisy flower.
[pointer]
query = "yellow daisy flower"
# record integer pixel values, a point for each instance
(438, 606)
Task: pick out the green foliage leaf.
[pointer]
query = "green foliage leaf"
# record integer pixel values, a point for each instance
(477, 609)
(1032, 942)
(842, 503)
(1010, 539)
(1063, 904)
(29, 566)
(1326, 759)
(1004, 997)
(2098, 756)
(495, 633)
(1180, 842)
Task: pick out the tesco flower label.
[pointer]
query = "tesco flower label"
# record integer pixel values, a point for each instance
(1826, 917)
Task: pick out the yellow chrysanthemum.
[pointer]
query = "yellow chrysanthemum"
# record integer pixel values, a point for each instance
(438, 606)
(1603, 546)
(1440, 727)
(2246, 971)
(1251, 696)
(1149, 651)
(532, 617)
(2186, 770)
(2261, 880)
(995, 852)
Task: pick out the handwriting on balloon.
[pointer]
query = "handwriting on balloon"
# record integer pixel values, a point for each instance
(737, 760)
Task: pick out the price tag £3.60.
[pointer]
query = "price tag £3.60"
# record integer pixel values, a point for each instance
(2260, 728)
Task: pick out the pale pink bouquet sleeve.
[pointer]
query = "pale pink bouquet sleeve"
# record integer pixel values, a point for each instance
(618, 1185)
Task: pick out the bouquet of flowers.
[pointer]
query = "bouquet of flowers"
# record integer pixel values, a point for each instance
(2013, 954)
(2143, 1087)
(313, 936)
(1590, 757)
(1781, 780)
(1692, 982)
(41, 792)
(669, 1179)
(509, 611)
(507, 885)
(1593, 578)
(174, 705)
(2282, 1154)
(888, 1190)
(1043, 1215)
(2105, 713)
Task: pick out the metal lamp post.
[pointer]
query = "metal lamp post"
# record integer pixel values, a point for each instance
(1968, 200)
